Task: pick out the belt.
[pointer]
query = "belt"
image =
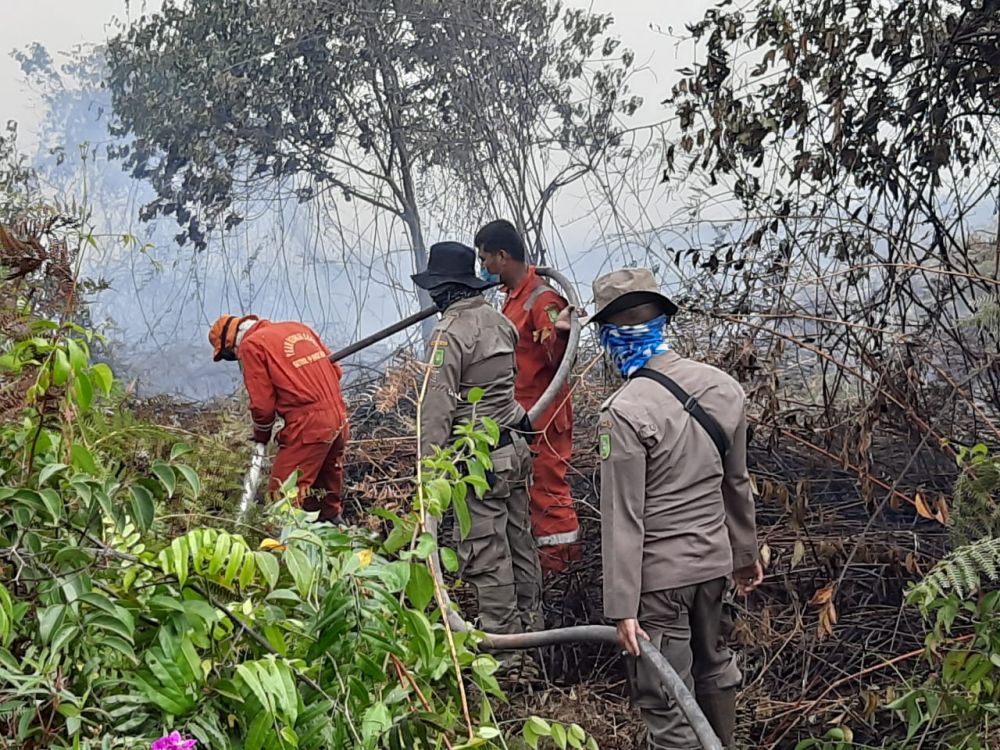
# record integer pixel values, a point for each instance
(507, 433)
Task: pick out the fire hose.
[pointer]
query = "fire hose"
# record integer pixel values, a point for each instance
(673, 686)
(670, 681)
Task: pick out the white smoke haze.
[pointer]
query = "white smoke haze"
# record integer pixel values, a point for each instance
(338, 266)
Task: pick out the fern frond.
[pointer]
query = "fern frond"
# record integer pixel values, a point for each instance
(975, 513)
(218, 558)
(963, 570)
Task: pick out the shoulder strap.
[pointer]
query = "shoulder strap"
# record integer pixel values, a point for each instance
(691, 405)
(537, 292)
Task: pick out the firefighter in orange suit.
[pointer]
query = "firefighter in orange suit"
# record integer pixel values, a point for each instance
(288, 373)
(533, 307)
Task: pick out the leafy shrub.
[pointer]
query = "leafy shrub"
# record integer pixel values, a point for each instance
(113, 634)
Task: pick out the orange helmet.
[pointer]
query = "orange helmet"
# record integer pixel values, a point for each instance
(222, 334)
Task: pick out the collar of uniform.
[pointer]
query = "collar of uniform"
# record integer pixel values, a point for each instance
(525, 285)
(249, 333)
(465, 304)
(665, 361)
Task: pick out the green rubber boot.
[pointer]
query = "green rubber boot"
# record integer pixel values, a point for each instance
(720, 710)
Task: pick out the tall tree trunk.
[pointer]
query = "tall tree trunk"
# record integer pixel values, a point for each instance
(419, 250)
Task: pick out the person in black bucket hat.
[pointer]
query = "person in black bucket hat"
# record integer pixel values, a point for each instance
(473, 347)
(451, 262)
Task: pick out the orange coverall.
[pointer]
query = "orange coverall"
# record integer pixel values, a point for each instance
(533, 307)
(288, 372)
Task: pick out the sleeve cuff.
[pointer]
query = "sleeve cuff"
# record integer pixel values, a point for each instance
(621, 608)
(744, 557)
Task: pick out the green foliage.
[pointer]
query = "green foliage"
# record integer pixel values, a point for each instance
(960, 699)
(975, 513)
(836, 738)
(316, 113)
(541, 733)
(113, 631)
(961, 571)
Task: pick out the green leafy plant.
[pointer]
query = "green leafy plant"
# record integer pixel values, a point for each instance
(835, 738)
(959, 701)
(538, 732)
(974, 510)
(114, 633)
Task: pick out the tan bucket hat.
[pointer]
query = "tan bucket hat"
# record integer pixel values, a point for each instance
(629, 287)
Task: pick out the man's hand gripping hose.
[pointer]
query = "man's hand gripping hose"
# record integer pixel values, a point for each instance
(672, 685)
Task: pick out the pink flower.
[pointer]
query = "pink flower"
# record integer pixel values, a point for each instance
(173, 741)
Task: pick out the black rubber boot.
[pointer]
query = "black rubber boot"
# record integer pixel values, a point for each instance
(720, 710)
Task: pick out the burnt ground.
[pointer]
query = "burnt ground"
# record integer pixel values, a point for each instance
(815, 642)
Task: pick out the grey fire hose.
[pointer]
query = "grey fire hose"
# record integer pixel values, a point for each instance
(671, 683)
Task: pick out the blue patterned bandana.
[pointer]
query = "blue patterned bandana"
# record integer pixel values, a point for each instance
(631, 347)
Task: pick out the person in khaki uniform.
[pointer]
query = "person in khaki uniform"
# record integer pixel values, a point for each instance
(473, 346)
(677, 515)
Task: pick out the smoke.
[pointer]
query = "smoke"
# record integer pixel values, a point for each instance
(338, 266)
(344, 274)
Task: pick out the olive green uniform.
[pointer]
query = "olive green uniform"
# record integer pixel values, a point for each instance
(473, 346)
(676, 520)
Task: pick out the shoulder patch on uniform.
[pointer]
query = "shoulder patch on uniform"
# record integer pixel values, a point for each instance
(553, 312)
(605, 444)
(437, 359)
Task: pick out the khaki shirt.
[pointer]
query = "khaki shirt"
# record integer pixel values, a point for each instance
(672, 514)
(472, 346)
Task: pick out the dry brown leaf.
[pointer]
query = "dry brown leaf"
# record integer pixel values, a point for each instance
(827, 619)
(823, 599)
(921, 506)
(943, 513)
(822, 596)
(800, 491)
(783, 497)
(798, 553)
(765, 555)
(871, 703)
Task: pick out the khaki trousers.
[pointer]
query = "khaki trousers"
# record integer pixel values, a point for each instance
(690, 627)
(498, 557)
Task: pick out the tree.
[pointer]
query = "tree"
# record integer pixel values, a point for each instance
(851, 144)
(356, 99)
(854, 131)
(884, 110)
(541, 113)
